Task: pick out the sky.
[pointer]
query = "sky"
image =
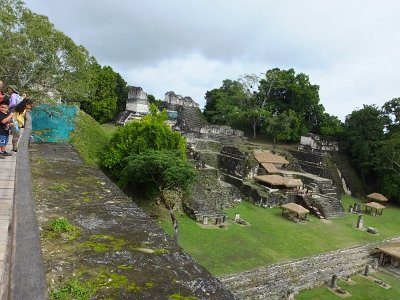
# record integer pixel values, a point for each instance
(350, 49)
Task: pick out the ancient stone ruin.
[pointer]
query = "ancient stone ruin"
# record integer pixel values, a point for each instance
(136, 107)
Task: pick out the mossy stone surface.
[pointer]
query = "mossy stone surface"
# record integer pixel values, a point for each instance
(108, 254)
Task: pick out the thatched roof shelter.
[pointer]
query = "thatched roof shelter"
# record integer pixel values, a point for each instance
(374, 205)
(269, 157)
(369, 207)
(277, 180)
(270, 168)
(296, 208)
(377, 196)
(392, 249)
(294, 212)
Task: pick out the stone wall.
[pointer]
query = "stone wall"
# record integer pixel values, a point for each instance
(137, 101)
(210, 192)
(260, 196)
(135, 251)
(174, 99)
(274, 281)
(231, 161)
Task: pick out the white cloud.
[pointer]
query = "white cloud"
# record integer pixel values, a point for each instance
(349, 48)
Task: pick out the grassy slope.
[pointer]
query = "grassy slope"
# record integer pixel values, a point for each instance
(270, 238)
(89, 138)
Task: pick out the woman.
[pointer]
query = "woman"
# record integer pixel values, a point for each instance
(19, 120)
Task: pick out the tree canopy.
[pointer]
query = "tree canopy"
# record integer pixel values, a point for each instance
(264, 102)
(46, 64)
(147, 155)
(139, 136)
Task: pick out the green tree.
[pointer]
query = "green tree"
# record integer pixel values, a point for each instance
(139, 136)
(284, 90)
(223, 104)
(38, 58)
(285, 126)
(163, 171)
(387, 164)
(363, 131)
(331, 127)
(102, 103)
(121, 90)
(153, 100)
(392, 110)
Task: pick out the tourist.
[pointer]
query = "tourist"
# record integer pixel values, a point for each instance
(13, 97)
(5, 120)
(19, 120)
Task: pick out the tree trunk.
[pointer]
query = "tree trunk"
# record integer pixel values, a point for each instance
(171, 214)
(175, 224)
(254, 129)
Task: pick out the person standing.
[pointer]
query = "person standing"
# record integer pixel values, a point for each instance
(13, 97)
(5, 120)
(19, 121)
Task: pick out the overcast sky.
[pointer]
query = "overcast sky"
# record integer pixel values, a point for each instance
(350, 48)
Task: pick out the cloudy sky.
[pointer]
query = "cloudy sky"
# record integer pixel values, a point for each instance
(350, 49)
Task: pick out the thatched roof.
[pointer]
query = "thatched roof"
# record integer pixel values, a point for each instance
(269, 157)
(270, 168)
(295, 208)
(279, 180)
(377, 196)
(374, 205)
(392, 249)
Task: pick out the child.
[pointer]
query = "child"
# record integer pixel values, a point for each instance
(5, 119)
(19, 120)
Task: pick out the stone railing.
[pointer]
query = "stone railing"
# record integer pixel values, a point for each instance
(24, 276)
(275, 281)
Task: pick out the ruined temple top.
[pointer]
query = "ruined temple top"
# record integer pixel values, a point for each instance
(172, 98)
(136, 93)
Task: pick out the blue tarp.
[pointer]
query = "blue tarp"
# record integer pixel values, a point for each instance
(53, 123)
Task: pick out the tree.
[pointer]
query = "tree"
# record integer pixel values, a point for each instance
(38, 58)
(284, 90)
(222, 104)
(139, 136)
(392, 110)
(331, 127)
(164, 171)
(121, 90)
(147, 154)
(363, 131)
(387, 164)
(102, 103)
(284, 127)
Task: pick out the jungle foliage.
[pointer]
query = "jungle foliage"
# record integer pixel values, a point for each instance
(147, 156)
(280, 103)
(46, 64)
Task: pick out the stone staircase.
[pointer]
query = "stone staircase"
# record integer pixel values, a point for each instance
(326, 199)
(123, 117)
(352, 180)
(190, 119)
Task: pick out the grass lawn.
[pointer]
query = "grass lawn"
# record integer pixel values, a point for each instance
(360, 288)
(270, 238)
(109, 128)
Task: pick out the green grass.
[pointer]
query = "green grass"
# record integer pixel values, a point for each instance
(109, 128)
(360, 289)
(89, 138)
(270, 238)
